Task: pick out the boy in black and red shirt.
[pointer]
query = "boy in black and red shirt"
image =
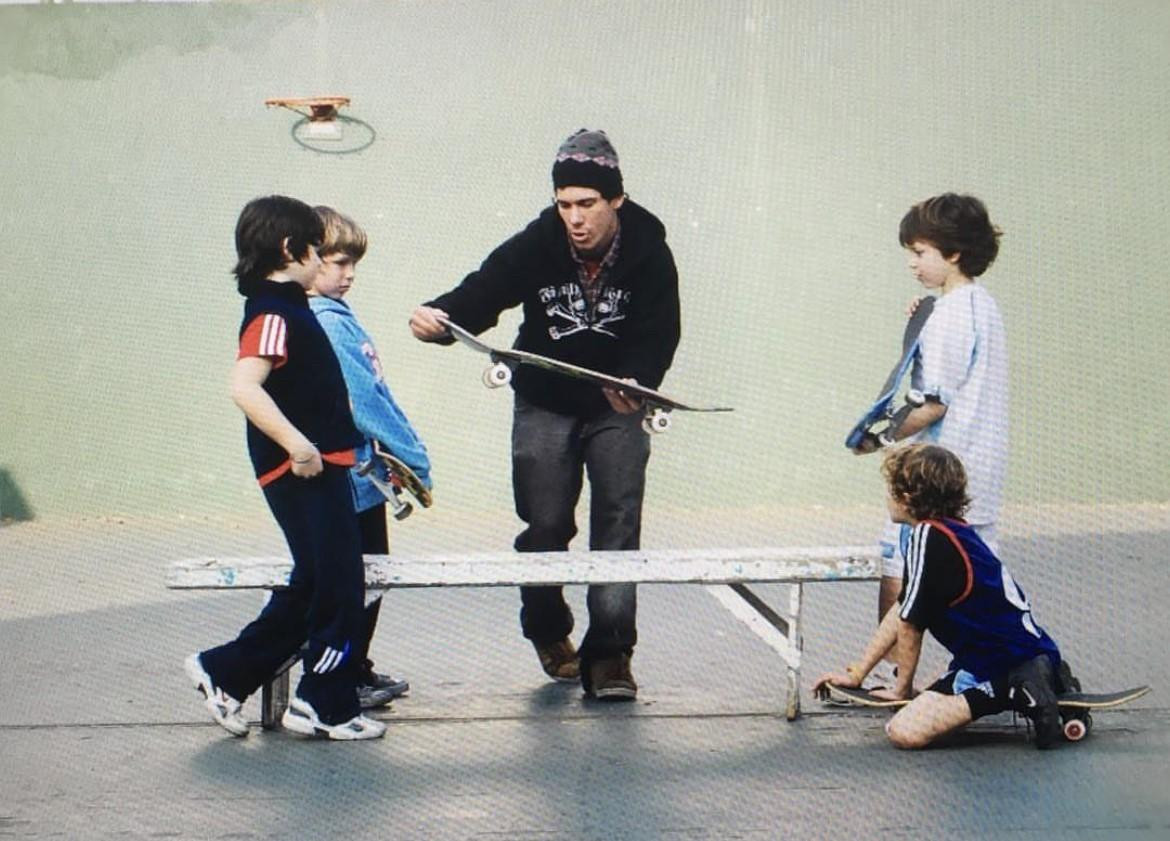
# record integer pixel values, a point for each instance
(301, 439)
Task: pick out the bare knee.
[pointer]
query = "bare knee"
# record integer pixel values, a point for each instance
(905, 738)
(926, 718)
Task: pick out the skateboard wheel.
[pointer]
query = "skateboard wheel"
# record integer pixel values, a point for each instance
(1075, 729)
(403, 511)
(914, 397)
(656, 422)
(497, 375)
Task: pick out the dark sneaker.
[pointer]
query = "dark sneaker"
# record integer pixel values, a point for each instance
(559, 660)
(611, 680)
(1067, 682)
(377, 690)
(1032, 692)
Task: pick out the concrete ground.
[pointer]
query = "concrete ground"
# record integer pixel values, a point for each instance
(101, 737)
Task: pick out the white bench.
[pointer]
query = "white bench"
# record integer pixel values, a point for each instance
(726, 572)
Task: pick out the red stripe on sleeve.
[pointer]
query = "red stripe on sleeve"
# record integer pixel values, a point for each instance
(265, 336)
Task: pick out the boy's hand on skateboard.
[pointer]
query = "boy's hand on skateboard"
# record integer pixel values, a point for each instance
(914, 304)
(306, 462)
(844, 679)
(425, 324)
(622, 403)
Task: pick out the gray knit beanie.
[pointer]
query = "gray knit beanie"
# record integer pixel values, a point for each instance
(588, 159)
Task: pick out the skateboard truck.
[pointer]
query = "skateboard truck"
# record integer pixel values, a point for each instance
(399, 507)
(914, 399)
(394, 479)
(655, 421)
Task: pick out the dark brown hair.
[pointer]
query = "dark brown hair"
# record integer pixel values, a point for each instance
(261, 230)
(953, 224)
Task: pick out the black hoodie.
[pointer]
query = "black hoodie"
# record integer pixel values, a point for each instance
(632, 330)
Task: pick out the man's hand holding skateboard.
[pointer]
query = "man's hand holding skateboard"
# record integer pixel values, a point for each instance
(425, 323)
(621, 402)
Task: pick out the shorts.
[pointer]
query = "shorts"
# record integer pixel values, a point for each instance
(986, 697)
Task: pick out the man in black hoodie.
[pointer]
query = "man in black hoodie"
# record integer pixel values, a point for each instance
(599, 289)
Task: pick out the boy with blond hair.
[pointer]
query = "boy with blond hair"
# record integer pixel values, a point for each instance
(375, 413)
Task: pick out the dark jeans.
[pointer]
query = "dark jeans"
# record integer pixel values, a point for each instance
(551, 454)
(322, 603)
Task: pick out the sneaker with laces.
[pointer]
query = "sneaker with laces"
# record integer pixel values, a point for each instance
(223, 707)
(377, 690)
(1032, 692)
(300, 717)
(611, 679)
(559, 660)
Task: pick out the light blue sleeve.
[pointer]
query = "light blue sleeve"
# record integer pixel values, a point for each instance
(375, 413)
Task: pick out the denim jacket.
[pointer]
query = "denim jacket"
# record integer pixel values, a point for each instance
(375, 413)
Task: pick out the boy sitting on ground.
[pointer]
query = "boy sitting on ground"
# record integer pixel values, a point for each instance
(955, 587)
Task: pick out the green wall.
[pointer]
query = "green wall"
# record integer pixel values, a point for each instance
(779, 141)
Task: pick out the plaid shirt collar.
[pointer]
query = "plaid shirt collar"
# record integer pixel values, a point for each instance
(610, 256)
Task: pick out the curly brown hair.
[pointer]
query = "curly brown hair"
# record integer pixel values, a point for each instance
(928, 479)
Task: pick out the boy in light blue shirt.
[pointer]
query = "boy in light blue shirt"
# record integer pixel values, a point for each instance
(961, 368)
(375, 413)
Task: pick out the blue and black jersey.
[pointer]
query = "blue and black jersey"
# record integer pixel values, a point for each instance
(956, 588)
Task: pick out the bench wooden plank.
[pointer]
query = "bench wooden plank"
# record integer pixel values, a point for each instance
(506, 569)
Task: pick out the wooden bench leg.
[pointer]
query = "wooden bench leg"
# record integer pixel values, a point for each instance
(796, 649)
(782, 633)
(274, 696)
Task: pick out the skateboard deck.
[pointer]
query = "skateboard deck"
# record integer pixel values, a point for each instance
(504, 362)
(393, 478)
(1073, 700)
(1074, 706)
(882, 408)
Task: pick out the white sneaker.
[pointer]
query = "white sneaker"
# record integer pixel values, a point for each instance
(223, 707)
(300, 717)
